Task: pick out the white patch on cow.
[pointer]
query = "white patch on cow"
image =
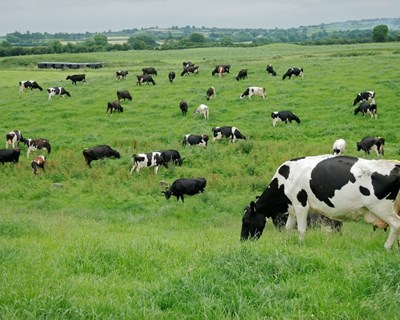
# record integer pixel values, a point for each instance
(339, 147)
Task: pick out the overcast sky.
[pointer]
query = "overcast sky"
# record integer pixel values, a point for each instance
(102, 15)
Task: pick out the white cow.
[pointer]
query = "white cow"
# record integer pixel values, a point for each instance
(338, 147)
(254, 91)
(204, 110)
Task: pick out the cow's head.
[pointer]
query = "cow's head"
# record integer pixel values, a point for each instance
(253, 223)
(167, 194)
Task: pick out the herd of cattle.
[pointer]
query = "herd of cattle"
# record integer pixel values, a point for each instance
(341, 187)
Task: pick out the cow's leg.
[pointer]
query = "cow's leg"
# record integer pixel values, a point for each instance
(133, 168)
(394, 232)
(156, 169)
(291, 222)
(301, 215)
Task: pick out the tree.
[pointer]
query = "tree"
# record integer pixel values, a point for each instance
(100, 40)
(197, 38)
(380, 33)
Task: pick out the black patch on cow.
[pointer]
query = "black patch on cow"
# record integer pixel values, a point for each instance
(386, 186)
(364, 191)
(284, 171)
(302, 197)
(330, 175)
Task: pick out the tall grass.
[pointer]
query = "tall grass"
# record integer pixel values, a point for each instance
(100, 243)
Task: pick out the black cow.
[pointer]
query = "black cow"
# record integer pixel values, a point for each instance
(184, 107)
(38, 162)
(184, 186)
(190, 69)
(270, 70)
(284, 116)
(121, 74)
(124, 94)
(372, 143)
(365, 95)
(114, 106)
(150, 70)
(145, 78)
(57, 91)
(29, 84)
(99, 152)
(9, 155)
(77, 78)
(293, 72)
(242, 75)
(210, 93)
(37, 144)
(227, 132)
(193, 139)
(367, 107)
(187, 64)
(13, 138)
(171, 76)
(171, 156)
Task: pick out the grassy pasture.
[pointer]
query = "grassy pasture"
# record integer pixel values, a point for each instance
(100, 243)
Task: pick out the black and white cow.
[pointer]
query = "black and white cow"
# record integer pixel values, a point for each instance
(241, 75)
(365, 95)
(203, 110)
(29, 84)
(124, 94)
(171, 76)
(254, 91)
(183, 186)
(150, 71)
(367, 107)
(372, 143)
(57, 91)
(38, 162)
(9, 155)
(37, 144)
(145, 78)
(148, 160)
(77, 78)
(232, 133)
(13, 138)
(285, 116)
(114, 106)
(210, 93)
(173, 156)
(190, 69)
(184, 107)
(298, 72)
(270, 70)
(342, 188)
(121, 74)
(193, 140)
(99, 152)
(339, 146)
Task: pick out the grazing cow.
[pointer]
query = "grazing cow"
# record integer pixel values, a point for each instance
(148, 160)
(298, 72)
(227, 132)
(124, 94)
(172, 156)
(339, 146)
(77, 78)
(171, 76)
(38, 162)
(270, 70)
(242, 75)
(365, 95)
(342, 188)
(37, 144)
(210, 93)
(32, 84)
(372, 143)
(221, 69)
(99, 152)
(9, 155)
(187, 64)
(367, 107)
(254, 91)
(184, 107)
(13, 138)
(193, 139)
(114, 106)
(203, 109)
(184, 186)
(145, 78)
(121, 74)
(150, 71)
(190, 69)
(284, 116)
(57, 91)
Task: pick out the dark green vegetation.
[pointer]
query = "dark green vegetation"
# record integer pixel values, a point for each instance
(100, 243)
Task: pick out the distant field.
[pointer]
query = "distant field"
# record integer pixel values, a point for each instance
(100, 243)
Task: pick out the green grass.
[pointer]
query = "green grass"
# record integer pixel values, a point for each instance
(100, 243)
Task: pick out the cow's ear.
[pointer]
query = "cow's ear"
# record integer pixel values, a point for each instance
(253, 206)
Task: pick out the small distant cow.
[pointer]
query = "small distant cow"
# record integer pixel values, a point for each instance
(298, 72)
(193, 140)
(37, 144)
(232, 133)
(183, 186)
(171, 76)
(150, 71)
(367, 107)
(210, 93)
(190, 69)
(29, 84)
(286, 116)
(204, 110)
(220, 70)
(372, 143)
(172, 156)
(38, 162)
(9, 155)
(57, 91)
(124, 94)
(187, 64)
(13, 138)
(121, 74)
(184, 107)
(77, 78)
(148, 160)
(242, 75)
(365, 95)
(114, 106)
(254, 91)
(339, 146)
(270, 70)
(99, 152)
(145, 78)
